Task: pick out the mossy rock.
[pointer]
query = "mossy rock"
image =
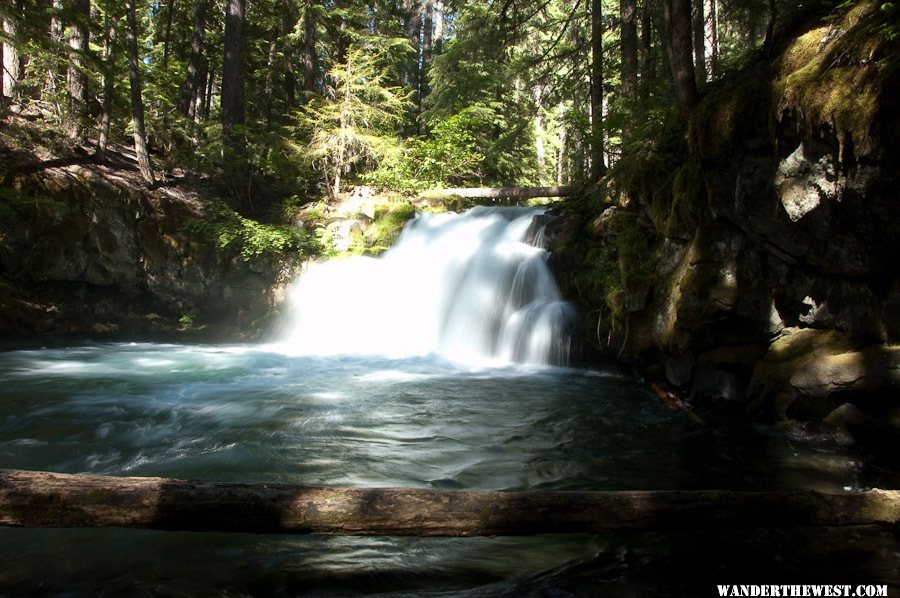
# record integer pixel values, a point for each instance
(734, 110)
(807, 372)
(834, 76)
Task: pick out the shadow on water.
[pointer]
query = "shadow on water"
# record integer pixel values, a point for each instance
(247, 415)
(688, 563)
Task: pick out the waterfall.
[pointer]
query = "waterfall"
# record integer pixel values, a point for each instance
(472, 287)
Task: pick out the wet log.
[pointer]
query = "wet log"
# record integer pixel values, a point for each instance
(42, 499)
(504, 192)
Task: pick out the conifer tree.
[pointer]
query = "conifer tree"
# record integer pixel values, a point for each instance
(355, 120)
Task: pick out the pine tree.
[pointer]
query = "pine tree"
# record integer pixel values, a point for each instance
(355, 121)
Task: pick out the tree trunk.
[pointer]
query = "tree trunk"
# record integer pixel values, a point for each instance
(629, 48)
(598, 167)
(269, 87)
(137, 101)
(770, 25)
(413, 26)
(191, 88)
(699, 41)
(308, 61)
(438, 26)
(41, 499)
(679, 19)
(562, 159)
(663, 26)
(427, 55)
(540, 149)
(712, 39)
(55, 33)
(76, 78)
(167, 39)
(210, 89)
(288, 23)
(344, 123)
(109, 81)
(648, 66)
(9, 61)
(233, 110)
(232, 100)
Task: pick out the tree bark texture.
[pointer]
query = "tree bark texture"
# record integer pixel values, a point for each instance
(234, 145)
(109, 81)
(629, 50)
(233, 110)
(699, 41)
(682, 60)
(648, 65)
(42, 499)
(191, 90)
(9, 52)
(288, 21)
(137, 101)
(771, 14)
(309, 64)
(76, 77)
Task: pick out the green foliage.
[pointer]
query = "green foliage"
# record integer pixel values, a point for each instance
(229, 230)
(449, 156)
(352, 124)
(888, 21)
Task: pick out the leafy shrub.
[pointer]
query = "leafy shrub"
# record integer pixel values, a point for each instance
(251, 238)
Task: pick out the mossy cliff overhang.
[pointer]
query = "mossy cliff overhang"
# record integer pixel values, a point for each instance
(837, 76)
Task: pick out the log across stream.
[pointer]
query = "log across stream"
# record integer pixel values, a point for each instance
(44, 499)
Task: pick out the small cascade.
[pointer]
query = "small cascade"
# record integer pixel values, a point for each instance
(472, 287)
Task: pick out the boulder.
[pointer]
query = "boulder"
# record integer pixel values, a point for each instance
(809, 370)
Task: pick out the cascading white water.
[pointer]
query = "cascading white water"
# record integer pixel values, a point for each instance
(468, 286)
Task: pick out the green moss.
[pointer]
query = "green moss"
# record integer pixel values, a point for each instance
(733, 111)
(601, 275)
(834, 74)
(635, 246)
(438, 202)
(646, 173)
(388, 223)
(688, 201)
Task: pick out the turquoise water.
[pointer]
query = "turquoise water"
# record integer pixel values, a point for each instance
(252, 413)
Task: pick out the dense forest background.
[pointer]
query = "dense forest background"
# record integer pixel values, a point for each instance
(297, 98)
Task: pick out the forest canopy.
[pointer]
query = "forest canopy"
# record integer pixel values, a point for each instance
(302, 97)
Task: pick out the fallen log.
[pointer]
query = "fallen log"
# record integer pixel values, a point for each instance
(504, 192)
(43, 499)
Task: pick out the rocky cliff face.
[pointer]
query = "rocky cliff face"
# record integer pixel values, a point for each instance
(88, 251)
(760, 270)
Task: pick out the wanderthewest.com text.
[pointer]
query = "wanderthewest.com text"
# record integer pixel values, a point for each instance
(802, 590)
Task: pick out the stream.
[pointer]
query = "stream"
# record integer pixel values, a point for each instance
(323, 405)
